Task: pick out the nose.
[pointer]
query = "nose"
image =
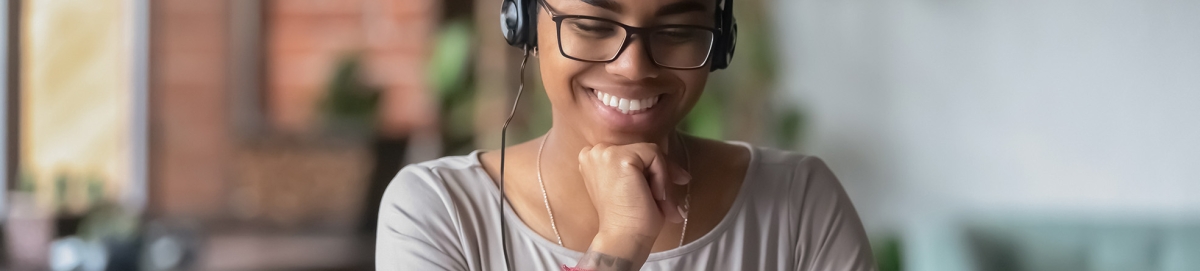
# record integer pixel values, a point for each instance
(634, 63)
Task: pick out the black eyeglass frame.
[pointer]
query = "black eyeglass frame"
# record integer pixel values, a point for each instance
(629, 32)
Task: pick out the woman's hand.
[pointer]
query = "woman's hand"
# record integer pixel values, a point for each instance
(634, 188)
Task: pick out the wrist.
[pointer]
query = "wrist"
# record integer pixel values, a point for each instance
(616, 252)
(628, 228)
(624, 245)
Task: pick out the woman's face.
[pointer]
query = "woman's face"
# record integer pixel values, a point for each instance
(649, 100)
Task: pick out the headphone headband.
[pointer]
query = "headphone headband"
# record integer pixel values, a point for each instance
(518, 21)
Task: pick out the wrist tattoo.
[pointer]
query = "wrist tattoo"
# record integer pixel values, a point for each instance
(630, 251)
(603, 262)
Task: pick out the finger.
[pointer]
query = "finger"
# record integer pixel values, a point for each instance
(672, 207)
(663, 174)
(677, 190)
(679, 198)
(670, 211)
(657, 169)
(583, 157)
(679, 175)
(658, 179)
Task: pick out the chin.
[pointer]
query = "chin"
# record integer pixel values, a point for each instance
(598, 135)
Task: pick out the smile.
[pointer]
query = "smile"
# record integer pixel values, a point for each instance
(625, 105)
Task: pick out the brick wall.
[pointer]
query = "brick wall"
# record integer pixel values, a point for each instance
(189, 126)
(306, 39)
(195, 166)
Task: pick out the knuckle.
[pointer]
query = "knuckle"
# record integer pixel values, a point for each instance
(628, 164)
(609, 153)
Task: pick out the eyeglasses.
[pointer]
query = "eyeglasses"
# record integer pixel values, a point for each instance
(594, 39)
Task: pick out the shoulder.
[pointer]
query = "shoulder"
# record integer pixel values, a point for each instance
(423, 214)
(454, 165)
(439, 172)
(435, 189)
(785, 159)
(788, 168)
(446, 175)
(770, 170)
(827, 232)
(801, 182)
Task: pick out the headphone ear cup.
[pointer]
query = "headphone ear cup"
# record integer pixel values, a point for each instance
(726, 40)
(722, 52)
(517, 19)
(513, 23)
(730, 42)
(717, 55)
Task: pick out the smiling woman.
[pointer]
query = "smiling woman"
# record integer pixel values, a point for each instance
(629, 190)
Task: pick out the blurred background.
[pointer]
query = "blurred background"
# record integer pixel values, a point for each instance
(259, 134)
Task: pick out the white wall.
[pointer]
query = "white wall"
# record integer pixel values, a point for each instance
(1025, 106)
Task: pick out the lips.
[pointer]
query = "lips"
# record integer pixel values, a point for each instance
(626, 105)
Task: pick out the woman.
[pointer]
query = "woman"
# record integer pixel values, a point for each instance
(612, 185)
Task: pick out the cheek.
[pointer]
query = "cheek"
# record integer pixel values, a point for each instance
(556, 71)
(557, 74)
(693, 85)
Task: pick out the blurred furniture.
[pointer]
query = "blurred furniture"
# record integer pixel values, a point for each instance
(301, 184)
(256, 251)
(1028, 244)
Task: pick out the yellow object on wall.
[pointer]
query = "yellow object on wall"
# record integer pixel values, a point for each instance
(76, 98)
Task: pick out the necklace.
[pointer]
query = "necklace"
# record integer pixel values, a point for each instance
(546, 200)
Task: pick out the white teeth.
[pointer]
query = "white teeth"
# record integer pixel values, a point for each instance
(626, 106)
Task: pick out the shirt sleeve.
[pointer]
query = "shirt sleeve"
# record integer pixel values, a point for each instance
(830, 233)
(417, 225)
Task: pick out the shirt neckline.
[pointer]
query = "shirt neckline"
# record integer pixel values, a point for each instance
(734, 210)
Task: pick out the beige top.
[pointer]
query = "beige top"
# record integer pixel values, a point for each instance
(791, 214)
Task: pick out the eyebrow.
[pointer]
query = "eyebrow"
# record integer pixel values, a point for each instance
(669, 9)
(679, 8)
(605, 4)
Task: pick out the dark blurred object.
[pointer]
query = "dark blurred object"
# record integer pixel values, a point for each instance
(888, 253)
(169, 246)
(112, 239)
(350, 109)
(350, 105)
(112, 229)
(389, 158)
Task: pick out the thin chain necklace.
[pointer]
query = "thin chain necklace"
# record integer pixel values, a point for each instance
(546, 200)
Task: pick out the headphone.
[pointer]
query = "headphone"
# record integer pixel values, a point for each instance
(518, 24)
